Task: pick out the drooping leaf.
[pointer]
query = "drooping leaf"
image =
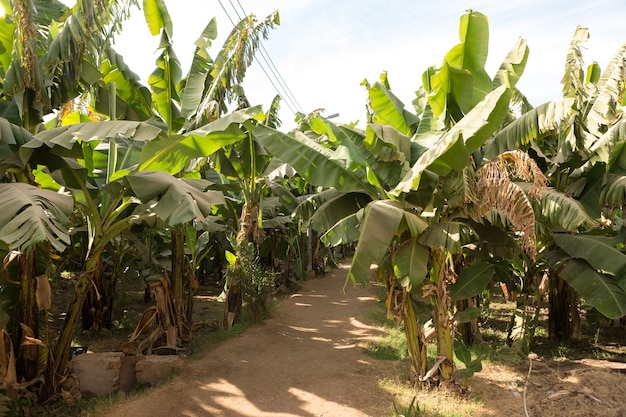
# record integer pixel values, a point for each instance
(467, 315)
(599, 290)
(380, 225)
(66, 136)
(347, 230)
(133, 101)
(345, 149)
(174, 200)
(29, 215)
(172, 153)
(11, 138)
(310, 159)
(472, 280)
(598, 252)
(333, 210)
(410, 264)
(613, 192)
(448, 235)
(533, 125)
(558, 209)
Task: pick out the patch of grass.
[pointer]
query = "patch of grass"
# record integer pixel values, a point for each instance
(203, 341)
(389, 347)
(427, 403)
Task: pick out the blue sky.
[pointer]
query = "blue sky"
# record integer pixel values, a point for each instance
(323, 49)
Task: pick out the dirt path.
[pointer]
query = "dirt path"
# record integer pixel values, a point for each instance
(305, 361)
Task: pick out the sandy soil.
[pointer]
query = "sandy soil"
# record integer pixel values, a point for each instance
(308, 361)
(305, 361)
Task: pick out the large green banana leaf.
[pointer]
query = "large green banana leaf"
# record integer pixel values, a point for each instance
(174, 200)
(345, 148)
(11, 138)
(382, 222)
(599, 252)
(448, 235)
(613, 192)
(462, 77)
(133, 100)
(410, 264)
(600, 290)
(607, 149)
(346, 230)
(613, 142)
(388, 110)
(610, 87)
(171, 154)
(157, 17)
(554, 208)
(230, 66)
(331, 211)
(533, 125)
(311, 160)
(66, 136)
(513, 66)
(388, 153)
(453, 148)
(472, 280)
(30, 215)
(198, 72)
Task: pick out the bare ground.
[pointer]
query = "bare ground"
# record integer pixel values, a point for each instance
(305, 361)
(308, 361)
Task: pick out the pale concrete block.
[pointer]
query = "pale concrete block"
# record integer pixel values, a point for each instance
(98, 373)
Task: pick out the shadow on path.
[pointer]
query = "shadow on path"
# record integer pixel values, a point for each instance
(305, 361)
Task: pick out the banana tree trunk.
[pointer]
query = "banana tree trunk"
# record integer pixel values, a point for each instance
(59, 357)
(96, 311)
(416, 342)
(249, 231)
(563, 317)
(183, 307)
(443, 324)
(470, 331)
(178, 265)
(26, 317)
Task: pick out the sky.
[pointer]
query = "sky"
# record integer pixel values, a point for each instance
(324, 49)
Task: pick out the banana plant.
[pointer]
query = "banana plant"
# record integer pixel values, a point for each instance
(50, 53)
(416, 171)
(577, 140)
(196, 105)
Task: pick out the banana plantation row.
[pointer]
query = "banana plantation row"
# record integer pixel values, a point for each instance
(107, 177)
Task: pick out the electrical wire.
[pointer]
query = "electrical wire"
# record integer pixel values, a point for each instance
(286, 94)
(268, 59)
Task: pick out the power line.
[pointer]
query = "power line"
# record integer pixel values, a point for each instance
(287, 95)
(225, 12)
(266, 57)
